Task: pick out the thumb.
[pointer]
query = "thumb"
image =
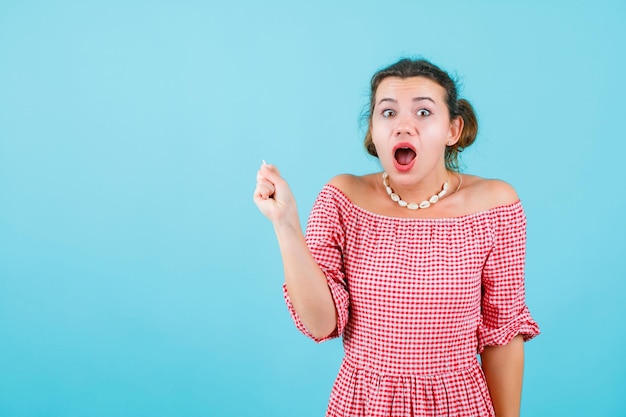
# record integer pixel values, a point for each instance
(270, 173)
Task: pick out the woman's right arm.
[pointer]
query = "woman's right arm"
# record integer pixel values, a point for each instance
(306, 283)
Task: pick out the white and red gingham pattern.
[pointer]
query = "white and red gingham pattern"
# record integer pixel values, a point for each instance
(416, 300)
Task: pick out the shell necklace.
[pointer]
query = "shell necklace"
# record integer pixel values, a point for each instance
(424, 204)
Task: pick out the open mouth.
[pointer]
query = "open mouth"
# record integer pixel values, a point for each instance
(404, 155)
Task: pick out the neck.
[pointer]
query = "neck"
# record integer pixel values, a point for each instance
(421, 190)
(414, 205)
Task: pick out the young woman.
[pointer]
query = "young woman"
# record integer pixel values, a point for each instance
(418, 268)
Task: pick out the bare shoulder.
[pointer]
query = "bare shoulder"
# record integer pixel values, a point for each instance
(486, 193)
(344, 181)
(355, 187)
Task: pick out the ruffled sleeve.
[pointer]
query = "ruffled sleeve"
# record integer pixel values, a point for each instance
(504, 313)
(325, 237)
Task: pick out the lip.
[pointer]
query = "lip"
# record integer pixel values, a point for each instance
(403, 168)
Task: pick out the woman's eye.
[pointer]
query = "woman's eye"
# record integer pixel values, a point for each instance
(423, 112)
(388, 113)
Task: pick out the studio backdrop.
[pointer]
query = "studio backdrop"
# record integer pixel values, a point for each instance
(138, 278)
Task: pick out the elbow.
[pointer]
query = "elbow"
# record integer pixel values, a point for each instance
(323, 328)
(323, 332)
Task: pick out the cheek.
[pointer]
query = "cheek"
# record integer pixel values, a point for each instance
(375, 132)
(379, 142)
(379, 129)
(437, 132)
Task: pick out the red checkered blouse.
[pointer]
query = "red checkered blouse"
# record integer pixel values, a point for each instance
(416, 300)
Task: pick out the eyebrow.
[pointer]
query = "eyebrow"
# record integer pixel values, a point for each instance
(414, 100)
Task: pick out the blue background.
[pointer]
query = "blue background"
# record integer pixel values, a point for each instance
(137, 278)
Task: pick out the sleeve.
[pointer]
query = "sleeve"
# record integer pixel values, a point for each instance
(504, 313)
(325, 238)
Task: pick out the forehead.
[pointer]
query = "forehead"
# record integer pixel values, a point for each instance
(399, 88)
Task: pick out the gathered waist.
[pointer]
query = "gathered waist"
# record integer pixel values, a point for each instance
(392, 370)
(454, 392)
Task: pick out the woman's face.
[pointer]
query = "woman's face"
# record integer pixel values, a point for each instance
(411, 126)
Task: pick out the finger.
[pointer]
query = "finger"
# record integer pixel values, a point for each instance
(269, 172)
(271, 176)
(265, 189)
(260, 178)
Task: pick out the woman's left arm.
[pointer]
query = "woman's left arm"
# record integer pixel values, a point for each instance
(505, 320)
(504, 367)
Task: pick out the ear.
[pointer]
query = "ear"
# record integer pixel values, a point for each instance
(455, 130)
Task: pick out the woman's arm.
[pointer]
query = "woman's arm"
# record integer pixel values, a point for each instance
(504, 367)
(306, 283)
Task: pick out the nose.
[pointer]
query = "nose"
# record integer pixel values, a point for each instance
(403, 130)
(404, 125)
